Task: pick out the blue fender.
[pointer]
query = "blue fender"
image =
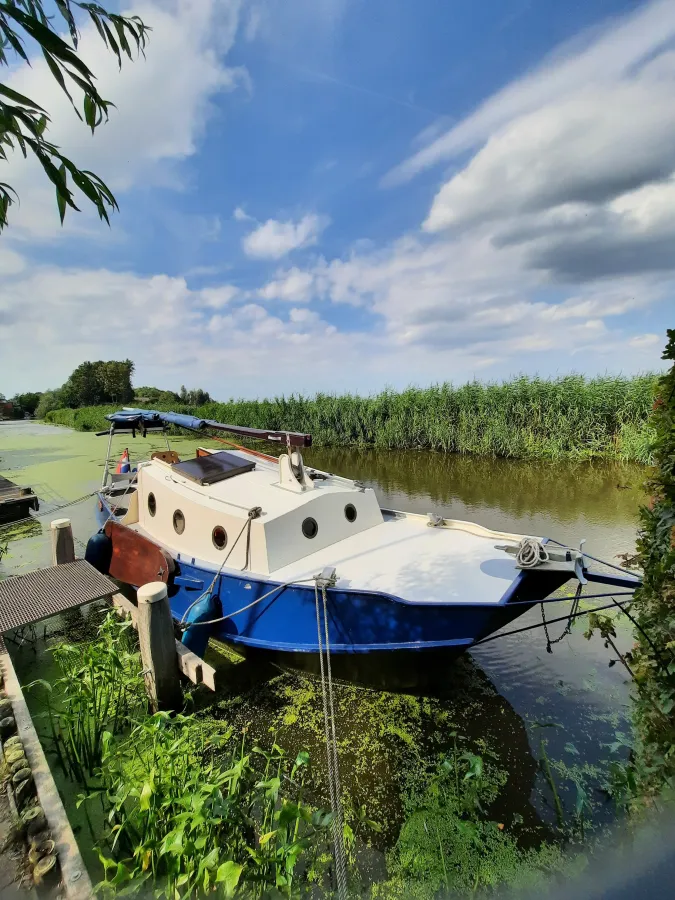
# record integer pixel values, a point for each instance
(99, 552)
(196, 637)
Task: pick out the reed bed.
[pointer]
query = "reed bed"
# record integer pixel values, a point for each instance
(526, 418)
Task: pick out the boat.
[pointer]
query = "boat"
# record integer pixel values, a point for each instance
(251, 546)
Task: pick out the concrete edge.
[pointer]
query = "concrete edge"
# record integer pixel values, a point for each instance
(76, 882)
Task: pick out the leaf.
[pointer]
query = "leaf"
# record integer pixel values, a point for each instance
(228, 875)
(61, 196)
(58, 76)
(146, 795)
(267, 837)
(20, 98)
(90, 111)
(570, 748)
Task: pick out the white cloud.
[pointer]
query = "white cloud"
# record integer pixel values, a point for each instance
(590, 148)
(10, 262)
(275, 239)
(647, 341)
(295, 285)
(240, 215)
(596, 59)
(217, 297)
(57, 312)
(163, 103)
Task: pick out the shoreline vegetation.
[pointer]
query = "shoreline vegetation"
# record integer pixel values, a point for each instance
(571, 417)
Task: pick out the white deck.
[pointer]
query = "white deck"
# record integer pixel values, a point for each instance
(405, 557)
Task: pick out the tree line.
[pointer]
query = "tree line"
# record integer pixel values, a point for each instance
(98, 383)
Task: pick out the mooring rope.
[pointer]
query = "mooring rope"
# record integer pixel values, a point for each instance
(49, 512)
(254, 513)
(530, 553)
(331, 740)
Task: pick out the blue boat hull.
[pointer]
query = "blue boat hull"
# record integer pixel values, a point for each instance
(375, 638)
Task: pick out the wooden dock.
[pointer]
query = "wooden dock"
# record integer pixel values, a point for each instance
(16, 501)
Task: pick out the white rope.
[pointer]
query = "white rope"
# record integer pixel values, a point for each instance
(530, 553)
(279, 587)
(331, 742)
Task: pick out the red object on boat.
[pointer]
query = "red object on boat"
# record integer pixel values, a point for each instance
(123, 465)
(135, 559)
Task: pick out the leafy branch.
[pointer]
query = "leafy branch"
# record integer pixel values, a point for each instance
(23, 122)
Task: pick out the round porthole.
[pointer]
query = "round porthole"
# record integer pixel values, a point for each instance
(152, 504)
(178, 522)
(350, 512)
(219, 537)
(309, 528)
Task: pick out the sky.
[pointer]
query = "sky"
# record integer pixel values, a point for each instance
(348, 195)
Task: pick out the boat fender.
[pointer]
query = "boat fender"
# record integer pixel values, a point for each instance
(99, 552)
(195, 636)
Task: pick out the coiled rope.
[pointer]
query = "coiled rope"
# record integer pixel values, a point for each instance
(530, 553)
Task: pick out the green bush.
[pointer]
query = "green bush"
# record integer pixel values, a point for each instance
(652, 659)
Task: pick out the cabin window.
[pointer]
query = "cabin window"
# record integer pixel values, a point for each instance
(219, 537)
(152, 504)
(309, 528)
(350, 512)
(178, 522)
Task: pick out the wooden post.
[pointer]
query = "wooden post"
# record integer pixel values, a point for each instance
(63, 546)
(158, 647)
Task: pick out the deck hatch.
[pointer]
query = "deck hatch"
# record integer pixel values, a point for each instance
(212, 468)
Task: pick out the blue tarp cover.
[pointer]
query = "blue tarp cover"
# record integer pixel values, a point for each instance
(151, 417)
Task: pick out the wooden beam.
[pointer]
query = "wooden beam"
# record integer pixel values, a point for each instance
(191, 665)
(155, 636)
(76, 883)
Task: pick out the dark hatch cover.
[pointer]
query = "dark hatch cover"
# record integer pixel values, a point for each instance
(213, 467)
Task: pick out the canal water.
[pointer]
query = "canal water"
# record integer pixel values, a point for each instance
(509, 700)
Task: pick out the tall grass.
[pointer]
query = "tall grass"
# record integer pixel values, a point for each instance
(99, 692)
(525, 418)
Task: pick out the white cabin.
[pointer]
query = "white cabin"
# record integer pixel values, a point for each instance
(200, 521)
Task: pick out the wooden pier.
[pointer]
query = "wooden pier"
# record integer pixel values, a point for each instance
(16, 501)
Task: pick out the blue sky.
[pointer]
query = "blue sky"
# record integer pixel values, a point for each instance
(344, 195)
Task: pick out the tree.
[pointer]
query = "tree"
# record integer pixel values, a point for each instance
(49, 401)
(23, 122)
(26, 403)
(93, 383)
(195, 397)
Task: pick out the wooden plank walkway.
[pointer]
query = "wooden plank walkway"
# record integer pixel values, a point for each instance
(15, 501)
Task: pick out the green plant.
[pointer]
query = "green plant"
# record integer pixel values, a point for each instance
(533, 418)
(23, 122)
(192, 810)
(652, 659)
(99, 692)
(448, 843)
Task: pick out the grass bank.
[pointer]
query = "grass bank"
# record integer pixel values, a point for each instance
(526, 418)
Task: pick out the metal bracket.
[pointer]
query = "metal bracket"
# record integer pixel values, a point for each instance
(327, 577)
